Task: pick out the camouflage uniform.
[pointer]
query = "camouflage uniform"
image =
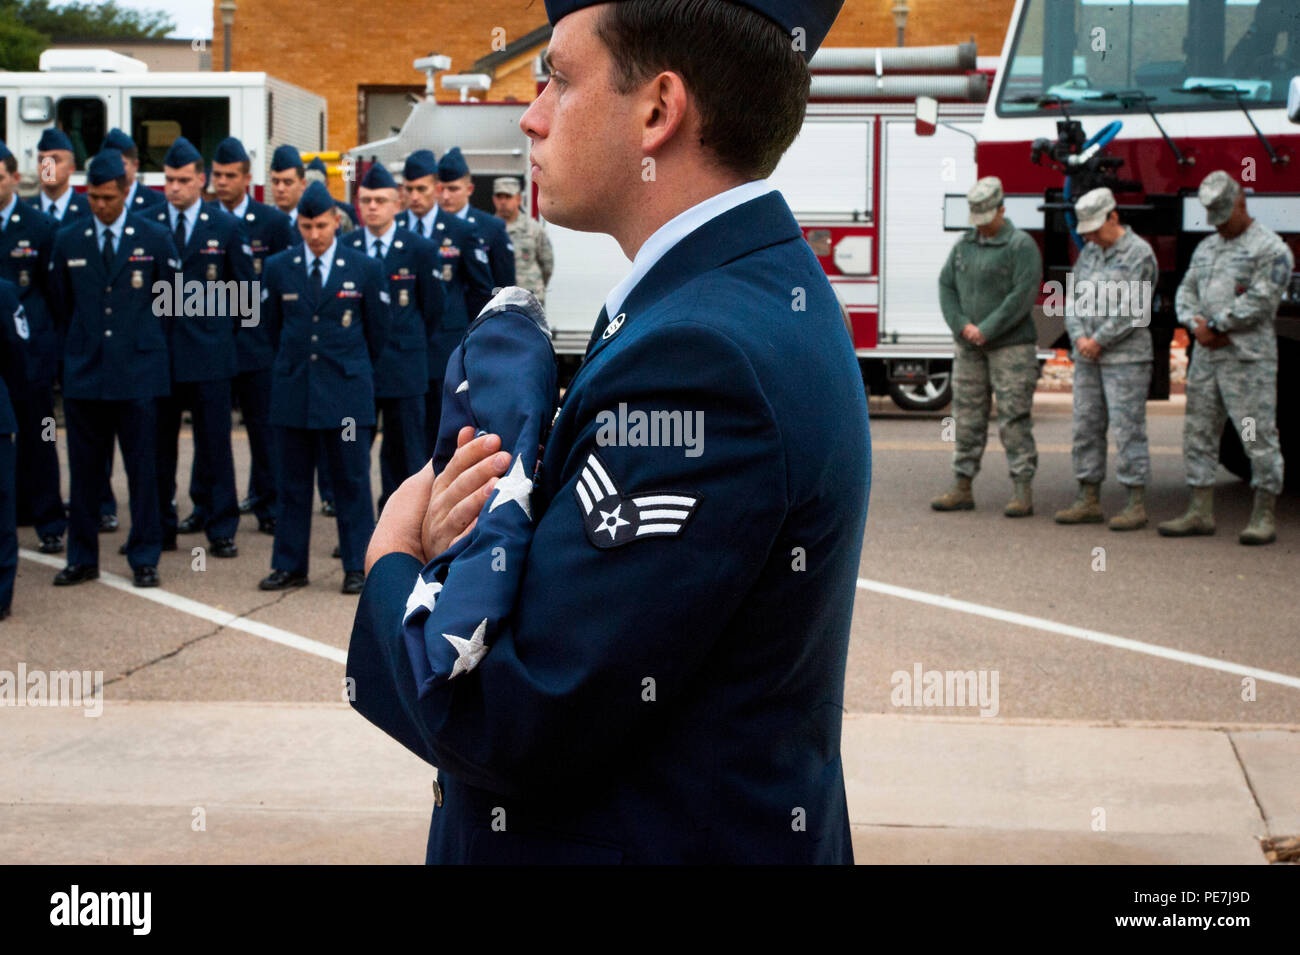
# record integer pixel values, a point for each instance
(1111, 304)
(992, 283)
(534, 261)
(1236, 284)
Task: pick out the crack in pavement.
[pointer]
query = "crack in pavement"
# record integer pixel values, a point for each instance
(189, 643)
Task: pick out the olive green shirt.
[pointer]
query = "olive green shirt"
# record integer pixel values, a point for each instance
(992, 284)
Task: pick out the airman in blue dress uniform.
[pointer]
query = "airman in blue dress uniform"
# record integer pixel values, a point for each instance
(15, 336)
(415, 290)
(266, 230)
(115, 364)
(455, 186)
(317, 171)
(214, 254)
(56, 163)
(26, 240)
(139, 197)
(466, 276)
(327, 311)
(670, 683)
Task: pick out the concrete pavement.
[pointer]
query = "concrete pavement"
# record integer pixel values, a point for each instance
(203, 782)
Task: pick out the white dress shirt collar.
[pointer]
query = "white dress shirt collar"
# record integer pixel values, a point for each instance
(678, 228)
(8, 210)
(386, 238)
(117, 228)
(191, 215)
(239, 210)
(60, 205)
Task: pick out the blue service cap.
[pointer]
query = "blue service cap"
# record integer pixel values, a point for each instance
(419, 164)
(453, 165)
(286, 157)
(105, 167)
(182, 153)
(118, 139)
(814, 17)
(315, 201)
(4, 151)
(230, 150)
(377, 177)
(54, 139)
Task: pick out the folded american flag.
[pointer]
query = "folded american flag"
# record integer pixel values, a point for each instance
(500, 380)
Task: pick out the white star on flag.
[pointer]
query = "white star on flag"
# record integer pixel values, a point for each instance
(468, 652)
(464, 386)
(514, 487)
(423, 594)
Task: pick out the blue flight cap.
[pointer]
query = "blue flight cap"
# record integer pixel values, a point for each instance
(419, 164)
(377, 177)
(54, 139)
(118, 139)
(182, 153)
(4, 151)
(286, 157)
(315, 201)
(453, 165)
(230, 150)
(814, 17)
(319, 165)
(105, 167)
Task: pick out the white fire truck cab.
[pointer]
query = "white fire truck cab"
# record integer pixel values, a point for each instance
(88, 92)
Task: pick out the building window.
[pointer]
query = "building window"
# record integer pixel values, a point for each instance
(82, 118)
(156, 121)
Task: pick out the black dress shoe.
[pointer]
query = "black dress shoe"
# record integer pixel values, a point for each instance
(246, 506)
(107, 523)
(191, 525)
(223, 547)
(146, 576)
(327, 508)
(51, 544)
(354, 581)
(266, 525)
(76, 574)
(282, 580)
(338, 554)
(169, 543)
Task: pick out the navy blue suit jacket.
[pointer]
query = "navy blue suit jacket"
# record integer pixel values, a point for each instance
(15, 339)
(25, 245)
(115, 342)
(146, 199)
(670, 685)
(325, 350)
(416, 298)
(203, 346)
(467, 280)
(267, 231)
(495, 240)
(78, 208)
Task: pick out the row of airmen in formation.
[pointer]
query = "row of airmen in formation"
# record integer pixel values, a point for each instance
(353, 321)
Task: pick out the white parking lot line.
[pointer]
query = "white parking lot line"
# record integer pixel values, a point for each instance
(1079, 633)
(204, 612)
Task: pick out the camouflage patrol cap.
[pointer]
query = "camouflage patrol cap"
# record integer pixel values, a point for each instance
(1218, 193)
(985, 198)
(506, 185)
(1093, 208)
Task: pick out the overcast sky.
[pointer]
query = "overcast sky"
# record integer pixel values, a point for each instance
(192, 17)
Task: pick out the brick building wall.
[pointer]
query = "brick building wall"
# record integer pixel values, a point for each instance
(334, 47)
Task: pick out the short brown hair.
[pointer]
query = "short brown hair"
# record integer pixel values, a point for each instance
(11, 165)
(749, 82)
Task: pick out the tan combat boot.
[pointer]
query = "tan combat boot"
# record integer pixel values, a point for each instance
(1262, 529)
(1022, 502)
(957, 499)
(1086, 508)
(1134, 515)
(1199, 518)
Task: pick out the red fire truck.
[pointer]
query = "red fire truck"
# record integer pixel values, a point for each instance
(1148, 97)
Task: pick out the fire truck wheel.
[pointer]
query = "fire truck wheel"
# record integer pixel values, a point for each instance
(931, 396)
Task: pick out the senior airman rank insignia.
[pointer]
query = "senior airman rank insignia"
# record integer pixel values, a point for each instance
(403, 298)
(347, 318)
(212, 271)
(612, 519)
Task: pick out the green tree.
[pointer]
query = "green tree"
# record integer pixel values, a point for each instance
(85, 21)
(20, 45)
